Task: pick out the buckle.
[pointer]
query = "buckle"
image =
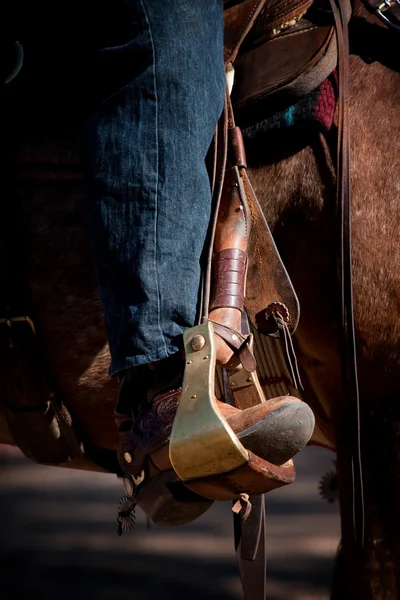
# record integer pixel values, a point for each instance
(385, 8)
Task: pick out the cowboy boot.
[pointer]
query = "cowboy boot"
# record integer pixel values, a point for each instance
(162, 496)
(273, 431)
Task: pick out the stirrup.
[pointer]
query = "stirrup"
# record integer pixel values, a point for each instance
(204, 451)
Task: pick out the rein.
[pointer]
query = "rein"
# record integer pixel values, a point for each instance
(389, 12)
(348, 352)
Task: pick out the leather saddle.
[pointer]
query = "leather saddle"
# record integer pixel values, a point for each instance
(289, 50)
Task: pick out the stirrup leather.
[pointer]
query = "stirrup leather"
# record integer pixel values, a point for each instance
(204, 451)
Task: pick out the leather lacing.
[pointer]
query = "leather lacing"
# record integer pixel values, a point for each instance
(290, 354)
(242, 505)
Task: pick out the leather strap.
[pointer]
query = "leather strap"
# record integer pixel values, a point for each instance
(220, 154)
(250, 545)
(228, 244)
(229, 278)
(351, 435)
(238, 342)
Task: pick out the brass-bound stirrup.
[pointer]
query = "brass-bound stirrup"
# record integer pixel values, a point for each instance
(202, 444)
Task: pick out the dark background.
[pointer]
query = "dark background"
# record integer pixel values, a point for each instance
(58, 539)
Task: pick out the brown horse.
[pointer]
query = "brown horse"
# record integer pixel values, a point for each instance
(294, 178)
(297, 196)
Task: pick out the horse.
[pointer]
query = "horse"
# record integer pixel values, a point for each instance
(293, 174)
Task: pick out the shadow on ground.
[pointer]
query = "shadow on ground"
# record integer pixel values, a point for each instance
(58, 538)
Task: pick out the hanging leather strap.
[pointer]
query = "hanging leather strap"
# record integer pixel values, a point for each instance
(350, 408)
(250, 545)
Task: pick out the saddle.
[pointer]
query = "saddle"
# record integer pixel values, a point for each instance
(288, 52)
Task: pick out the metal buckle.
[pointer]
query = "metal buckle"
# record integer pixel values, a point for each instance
(10, 320)
(386, 6)
(202, 444)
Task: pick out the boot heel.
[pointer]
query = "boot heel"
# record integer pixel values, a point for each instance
(167, 502)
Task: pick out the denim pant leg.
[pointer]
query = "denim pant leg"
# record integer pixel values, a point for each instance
(147, 184)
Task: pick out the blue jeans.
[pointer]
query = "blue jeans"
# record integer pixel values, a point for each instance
(147, 185)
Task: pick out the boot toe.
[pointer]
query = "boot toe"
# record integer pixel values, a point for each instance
(281, 434)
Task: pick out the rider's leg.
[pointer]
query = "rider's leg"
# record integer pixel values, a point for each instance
(148, 187)
(149, 202)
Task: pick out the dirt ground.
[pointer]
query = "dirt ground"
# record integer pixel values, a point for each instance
(58, 539)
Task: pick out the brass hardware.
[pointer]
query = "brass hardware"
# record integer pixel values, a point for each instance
(202, 443)
(127, 458)
(197, 342)
(386, 7)
(240, 379)
(11, 320)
